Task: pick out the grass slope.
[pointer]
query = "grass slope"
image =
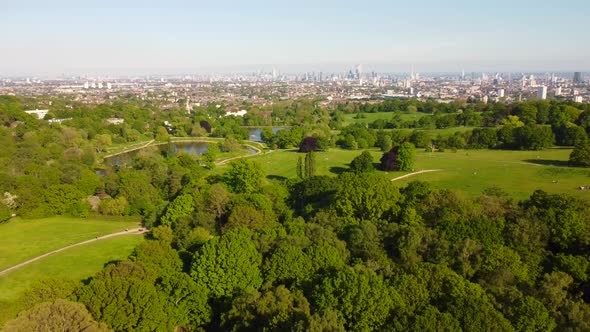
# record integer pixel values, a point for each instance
(470, 171)
(74, 264)
(370, 117)
(22, 239)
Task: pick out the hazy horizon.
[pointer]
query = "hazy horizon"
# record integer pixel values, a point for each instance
(181, 37)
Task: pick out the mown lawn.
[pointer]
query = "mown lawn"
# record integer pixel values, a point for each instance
(75, 264)
(22, 239)
(470, 171)
(370, 117)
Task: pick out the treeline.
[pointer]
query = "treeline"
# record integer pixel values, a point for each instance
(531, 126)
(352, 252)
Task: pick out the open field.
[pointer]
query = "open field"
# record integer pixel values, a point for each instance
(370, 117)
(470, 171)
(74, 264)
(435, 132)
(22, 239)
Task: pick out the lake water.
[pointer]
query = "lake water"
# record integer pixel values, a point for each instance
(255, 133)
(192, 148)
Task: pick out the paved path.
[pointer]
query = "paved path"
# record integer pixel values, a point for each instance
(415, 173)
(129, 150)
(134, 231)
(258, 152)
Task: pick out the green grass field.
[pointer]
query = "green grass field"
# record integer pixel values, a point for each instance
(22, 239)
(470, 171)
(75, 264)
(370, 117)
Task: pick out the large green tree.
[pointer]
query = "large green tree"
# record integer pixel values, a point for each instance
(580, 156)
(60, 315)
(362, 163)
(244, 176)
(360, 297)
(228, 263)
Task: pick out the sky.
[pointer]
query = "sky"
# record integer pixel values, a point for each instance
(40, 37)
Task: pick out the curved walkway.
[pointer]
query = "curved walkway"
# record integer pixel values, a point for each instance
(415, 173)
(134, 231)
(258, 152)
(144, 145)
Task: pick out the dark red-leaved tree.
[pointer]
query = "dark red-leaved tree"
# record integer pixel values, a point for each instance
(389, 160)
(308, 144)
(204, 124)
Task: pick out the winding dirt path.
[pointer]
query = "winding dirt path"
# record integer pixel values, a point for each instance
(134, 231)
(415, 173)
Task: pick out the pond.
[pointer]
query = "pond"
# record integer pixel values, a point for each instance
(255, 133)
(192, 148)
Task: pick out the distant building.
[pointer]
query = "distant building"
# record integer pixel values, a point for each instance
(40, 114)
(578, 99)
(58, 120)
(485, 99)
(238, 113)
(577, 77)
(558, 91)
(532, 81)
(501, 93)
(542, 92)
(115, 121)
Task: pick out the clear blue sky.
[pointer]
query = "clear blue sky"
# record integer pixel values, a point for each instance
(120, 37)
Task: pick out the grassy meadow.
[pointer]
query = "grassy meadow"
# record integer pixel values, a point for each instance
(75, 264)
(23, 239)
(370, 117)
(469, 171)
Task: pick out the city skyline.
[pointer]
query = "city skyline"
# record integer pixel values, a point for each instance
(122, 37)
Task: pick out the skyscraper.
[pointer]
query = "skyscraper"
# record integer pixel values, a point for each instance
(577, 77)
(542, 93)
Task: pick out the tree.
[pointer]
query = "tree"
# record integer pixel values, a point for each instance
(182, 206)
(230, 144)
(276, 309)
(367, 196)
(405, 157)
(158, 257)
(300, 173)
(205, 125)
(60, 315)
(389, 160)
(114, 206)
(211, 154)
(244, 176)
(287, 264)
(309, 164)
(359, 296)
(531, 315)
(188, 297)
(48, 290)
(228, 263)
(362, 163)
(308, 144)
(102, 142)
(384, 142)
(267, 135)
(580, 156)
(125, 298)
(162, 134)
